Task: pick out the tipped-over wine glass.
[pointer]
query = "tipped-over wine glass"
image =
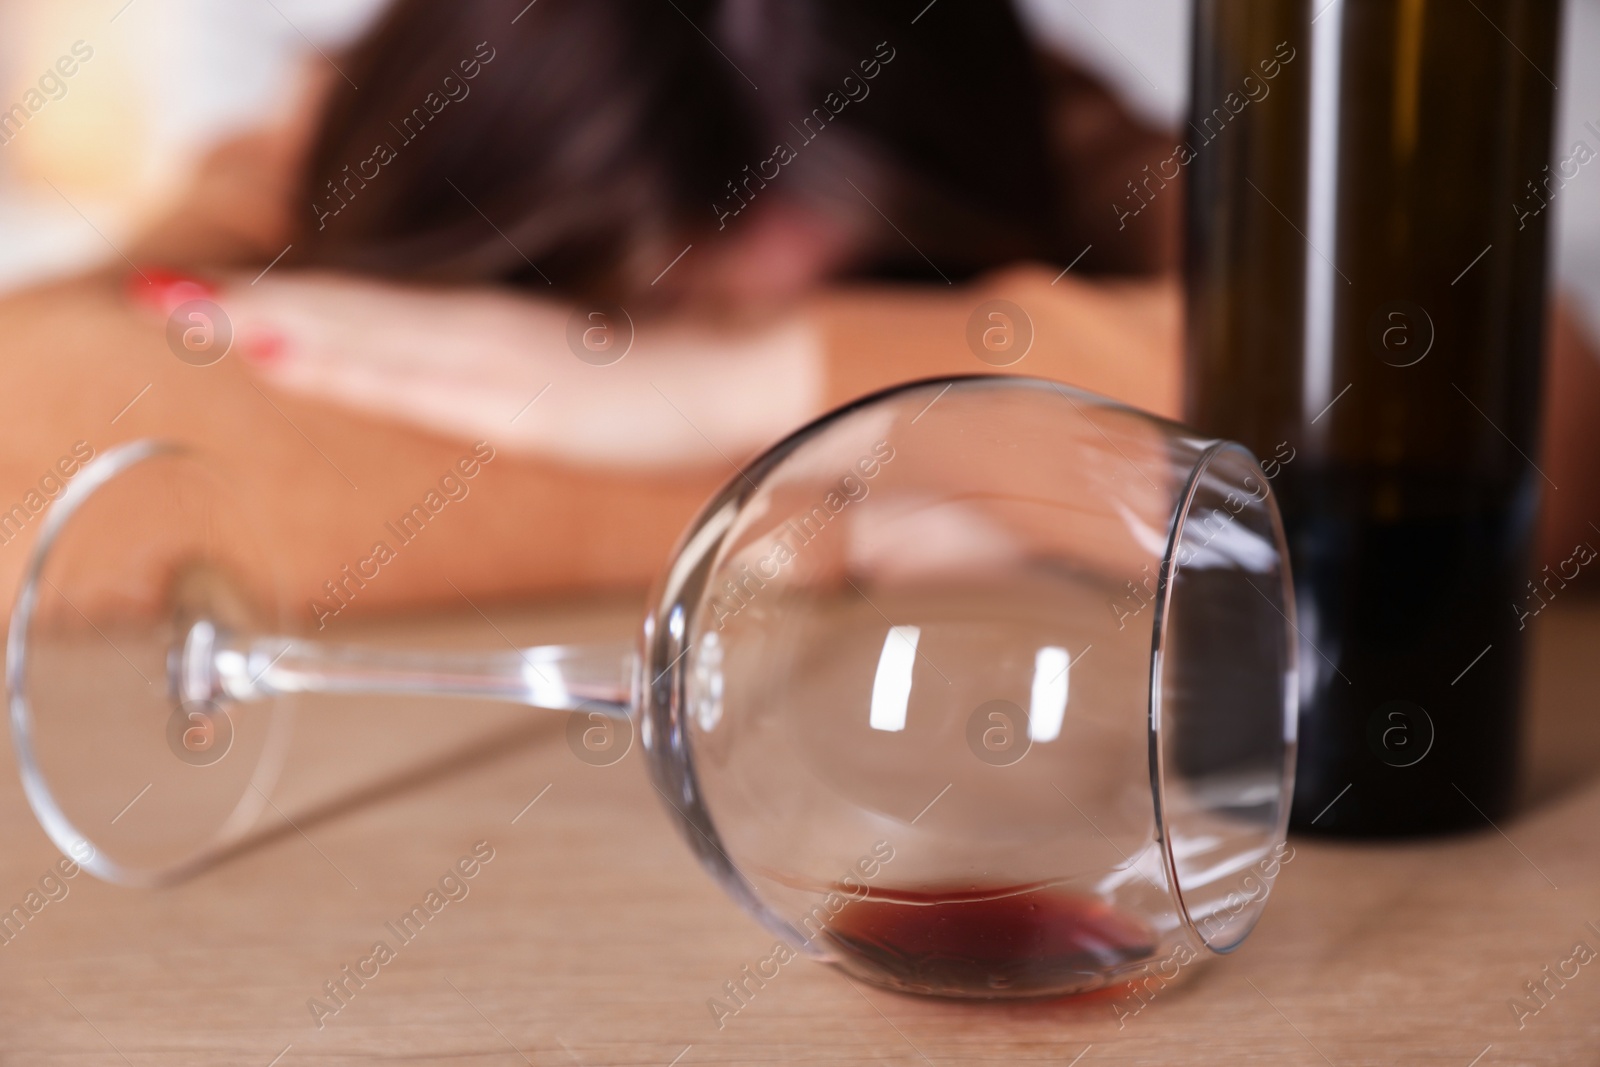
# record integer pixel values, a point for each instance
(978, 687)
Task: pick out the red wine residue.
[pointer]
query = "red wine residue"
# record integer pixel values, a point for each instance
(987, 942)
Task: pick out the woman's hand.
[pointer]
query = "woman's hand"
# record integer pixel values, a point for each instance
(529, 375)
(536, 377)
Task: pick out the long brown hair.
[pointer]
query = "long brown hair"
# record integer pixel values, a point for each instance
(580, 144)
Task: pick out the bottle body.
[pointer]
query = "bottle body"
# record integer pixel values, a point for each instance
(1366, 276)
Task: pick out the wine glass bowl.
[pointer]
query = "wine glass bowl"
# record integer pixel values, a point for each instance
(982, 691)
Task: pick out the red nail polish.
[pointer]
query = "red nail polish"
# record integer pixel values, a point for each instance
(263, 347)
(163, 290)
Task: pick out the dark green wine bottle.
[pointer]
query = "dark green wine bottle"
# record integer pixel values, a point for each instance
(1369, 185)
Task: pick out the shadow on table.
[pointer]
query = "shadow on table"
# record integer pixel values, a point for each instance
(487, 749)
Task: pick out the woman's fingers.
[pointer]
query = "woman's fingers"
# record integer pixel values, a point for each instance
(515, 369)
(504, 367)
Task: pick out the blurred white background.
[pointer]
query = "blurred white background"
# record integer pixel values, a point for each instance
(168, 78)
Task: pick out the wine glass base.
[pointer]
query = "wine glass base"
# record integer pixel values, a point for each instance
(134, 772)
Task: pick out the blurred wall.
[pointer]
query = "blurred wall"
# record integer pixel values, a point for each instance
(153, 84)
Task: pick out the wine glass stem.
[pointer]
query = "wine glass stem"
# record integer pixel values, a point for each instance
(596, 677)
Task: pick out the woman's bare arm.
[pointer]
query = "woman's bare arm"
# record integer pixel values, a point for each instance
(79, 355)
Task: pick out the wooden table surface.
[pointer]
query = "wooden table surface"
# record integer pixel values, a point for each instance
(592, 937)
